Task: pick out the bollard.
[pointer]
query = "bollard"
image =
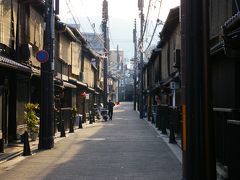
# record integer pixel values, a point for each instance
(163, 119)
(1, 145)
(93, 117)
(163, 123)
(80, 122)
(157, 118)
(90, 117)
(71, 128)
(63, 134)
(172, 136)
(26, 146)
(173, 114)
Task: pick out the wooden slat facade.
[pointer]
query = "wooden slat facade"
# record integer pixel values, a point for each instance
(36, 28)
(76, 58)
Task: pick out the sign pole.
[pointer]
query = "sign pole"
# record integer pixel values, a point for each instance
(46, 140)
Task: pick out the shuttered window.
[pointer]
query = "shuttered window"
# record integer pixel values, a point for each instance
(5, 21)
(76, 55)
(65, 49)
(89, 76)
(36, 23)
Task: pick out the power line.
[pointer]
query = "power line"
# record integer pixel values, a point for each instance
(77, 23)
(92, 25)
(146, 22)
(110, 35)
(158, 22)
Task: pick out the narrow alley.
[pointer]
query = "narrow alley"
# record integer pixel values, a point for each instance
(124, 148)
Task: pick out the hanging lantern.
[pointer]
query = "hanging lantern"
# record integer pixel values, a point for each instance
(83, 94)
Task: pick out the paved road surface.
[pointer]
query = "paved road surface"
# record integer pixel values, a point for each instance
(126, 148)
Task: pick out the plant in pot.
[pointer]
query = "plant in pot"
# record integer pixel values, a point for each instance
(32, 120)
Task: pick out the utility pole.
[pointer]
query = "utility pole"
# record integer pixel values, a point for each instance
(198, 127)
(118, 58)
(118, 67)
(105, 66)
(140, 7)
(135, 65)
(46, 140)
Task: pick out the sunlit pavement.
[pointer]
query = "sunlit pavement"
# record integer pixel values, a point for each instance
(125, 148)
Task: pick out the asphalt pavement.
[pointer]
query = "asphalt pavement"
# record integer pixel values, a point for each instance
(126, 148)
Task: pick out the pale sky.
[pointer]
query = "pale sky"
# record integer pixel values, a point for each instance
(121, 18)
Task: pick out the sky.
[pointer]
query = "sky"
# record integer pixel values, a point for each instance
(121, 19)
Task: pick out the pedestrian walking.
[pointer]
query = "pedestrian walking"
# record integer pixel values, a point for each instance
(110, 109)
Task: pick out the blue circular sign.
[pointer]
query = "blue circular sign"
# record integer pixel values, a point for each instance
(42, 56)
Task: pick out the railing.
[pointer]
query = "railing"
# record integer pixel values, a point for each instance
(167, 117)
(66, 118)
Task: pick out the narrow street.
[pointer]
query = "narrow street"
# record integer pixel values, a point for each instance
(125, 148)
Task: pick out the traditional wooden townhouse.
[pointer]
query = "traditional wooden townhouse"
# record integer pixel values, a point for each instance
(67, 68)
(89, 76)
(170, 45)
(99, 79)
(21, 34)
(32, 37)
(161, 78)
(78, 70)
(80, 74)
(112, 88)
(225, 64)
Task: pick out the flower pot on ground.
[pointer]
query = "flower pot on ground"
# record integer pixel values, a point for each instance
(32, 120)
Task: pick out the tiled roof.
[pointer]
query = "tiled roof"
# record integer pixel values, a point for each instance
(14, 65)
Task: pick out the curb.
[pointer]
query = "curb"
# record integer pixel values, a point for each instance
(175, 148)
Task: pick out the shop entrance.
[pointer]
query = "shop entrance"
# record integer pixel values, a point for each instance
(3, 114)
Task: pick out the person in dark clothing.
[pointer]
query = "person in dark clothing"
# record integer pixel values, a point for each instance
(110, 108)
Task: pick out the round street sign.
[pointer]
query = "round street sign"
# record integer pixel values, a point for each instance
(42, 56)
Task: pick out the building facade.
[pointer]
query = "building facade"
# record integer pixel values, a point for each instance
(77, 68)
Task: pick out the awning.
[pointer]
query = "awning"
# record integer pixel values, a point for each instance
(81, 84)
(69, 85)
(91, 89)
(170, 78)
(99, 88)
(76, 82)
(219, 47)
(97, 93)
(8, 63)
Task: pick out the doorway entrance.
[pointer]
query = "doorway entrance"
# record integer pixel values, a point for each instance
(4, 104)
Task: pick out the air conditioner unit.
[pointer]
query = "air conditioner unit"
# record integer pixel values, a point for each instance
(25, 52)
(176, 58)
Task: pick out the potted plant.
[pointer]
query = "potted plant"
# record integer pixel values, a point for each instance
(32, 120)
